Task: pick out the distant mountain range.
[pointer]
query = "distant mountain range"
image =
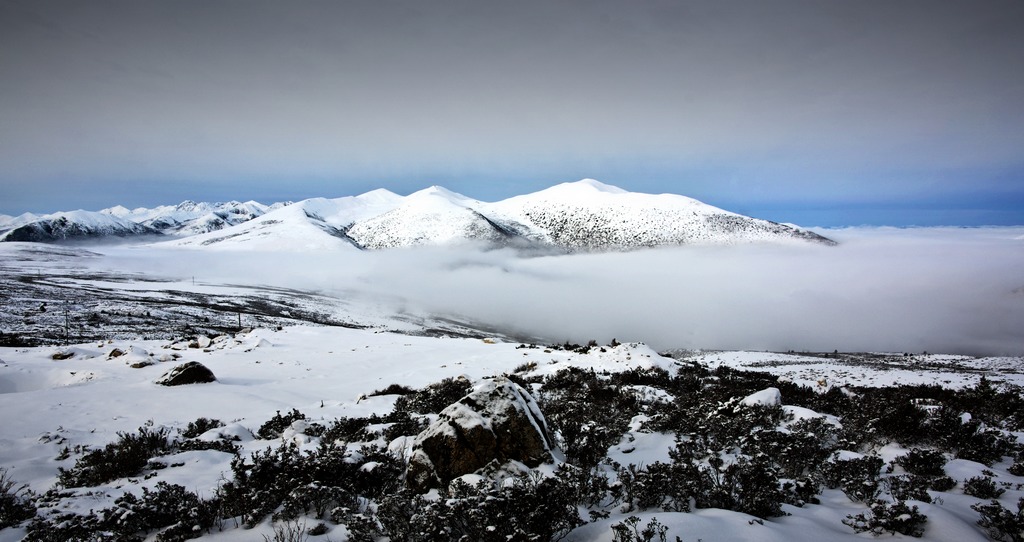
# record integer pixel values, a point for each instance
(582, 216)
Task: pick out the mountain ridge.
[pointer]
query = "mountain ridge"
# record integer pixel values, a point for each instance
(581, 216)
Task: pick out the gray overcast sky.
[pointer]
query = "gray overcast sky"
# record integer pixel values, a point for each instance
(821, 113)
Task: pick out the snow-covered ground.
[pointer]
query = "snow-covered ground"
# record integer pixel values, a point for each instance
(329, 330)
(326, 373)
(825, 370)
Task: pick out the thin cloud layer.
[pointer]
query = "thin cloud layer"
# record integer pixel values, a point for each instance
(936, 290)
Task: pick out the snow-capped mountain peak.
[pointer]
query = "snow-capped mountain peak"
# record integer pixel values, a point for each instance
(584, 215)
(439, 193)
(432, 216)
(117, 210)
(70, 225)
(587, 185)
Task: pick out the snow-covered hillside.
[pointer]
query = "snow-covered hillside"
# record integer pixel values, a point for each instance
(190, 217)
(305, 396)
(71, 225)
(590, 215)
(582, 216)
(433, 216)
(312, 224)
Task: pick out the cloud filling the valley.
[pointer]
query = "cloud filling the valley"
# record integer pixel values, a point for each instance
(881, 289)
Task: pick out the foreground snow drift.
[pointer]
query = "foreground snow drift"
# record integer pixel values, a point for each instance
(61, 402)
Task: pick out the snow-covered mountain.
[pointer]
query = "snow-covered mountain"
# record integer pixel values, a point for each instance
(581, 216)
(433, 216)
(312, 224)
(7, 221)
(190, 217)
(71, 225)
(590, 215)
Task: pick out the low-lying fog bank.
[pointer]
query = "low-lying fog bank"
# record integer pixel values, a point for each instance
(882, 289)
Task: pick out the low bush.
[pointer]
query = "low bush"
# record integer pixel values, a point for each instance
(587, 413)
(630, 530)
(200, 426)
(524, 508)
(15, 501)
(175, 513)
(982, 487)
(126, 457)
(1002, 524)
(857, 477)
(435, 397)
(181, 514)
(885, 517)
(928, 463)
(273, 427)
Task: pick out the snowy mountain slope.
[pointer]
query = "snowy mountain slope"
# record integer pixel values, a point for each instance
(590, 215)
(288, 228)
(313, 224)
(7, 221)
(190, 217)
(433, 216)
(343, 212)
(73, 225)
(582, 216)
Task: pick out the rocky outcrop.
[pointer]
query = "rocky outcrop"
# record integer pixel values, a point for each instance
(498, 422)
(192, 372)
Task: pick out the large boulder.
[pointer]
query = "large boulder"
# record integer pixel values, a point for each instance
(192, 372)
(496, 423)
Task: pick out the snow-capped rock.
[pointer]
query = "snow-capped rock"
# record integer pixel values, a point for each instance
(498, 422)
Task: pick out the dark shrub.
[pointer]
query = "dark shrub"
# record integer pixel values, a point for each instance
(200, 426)
(126, 457)
(886, 517)
(176, 513)
(629, 530)
(68, 528)
(858, 478)
(928, 463)
(435, 397)
(181, 514)
(528, 509)
(276, 425)
(260, 486)
(403, 424)
(1001, 523)
(220, 445)
(350, 429)
(587, 412)
(751, 487)
(982, 487)
(908, 487)
(394, 389)
(15, 501)
(669, 487)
